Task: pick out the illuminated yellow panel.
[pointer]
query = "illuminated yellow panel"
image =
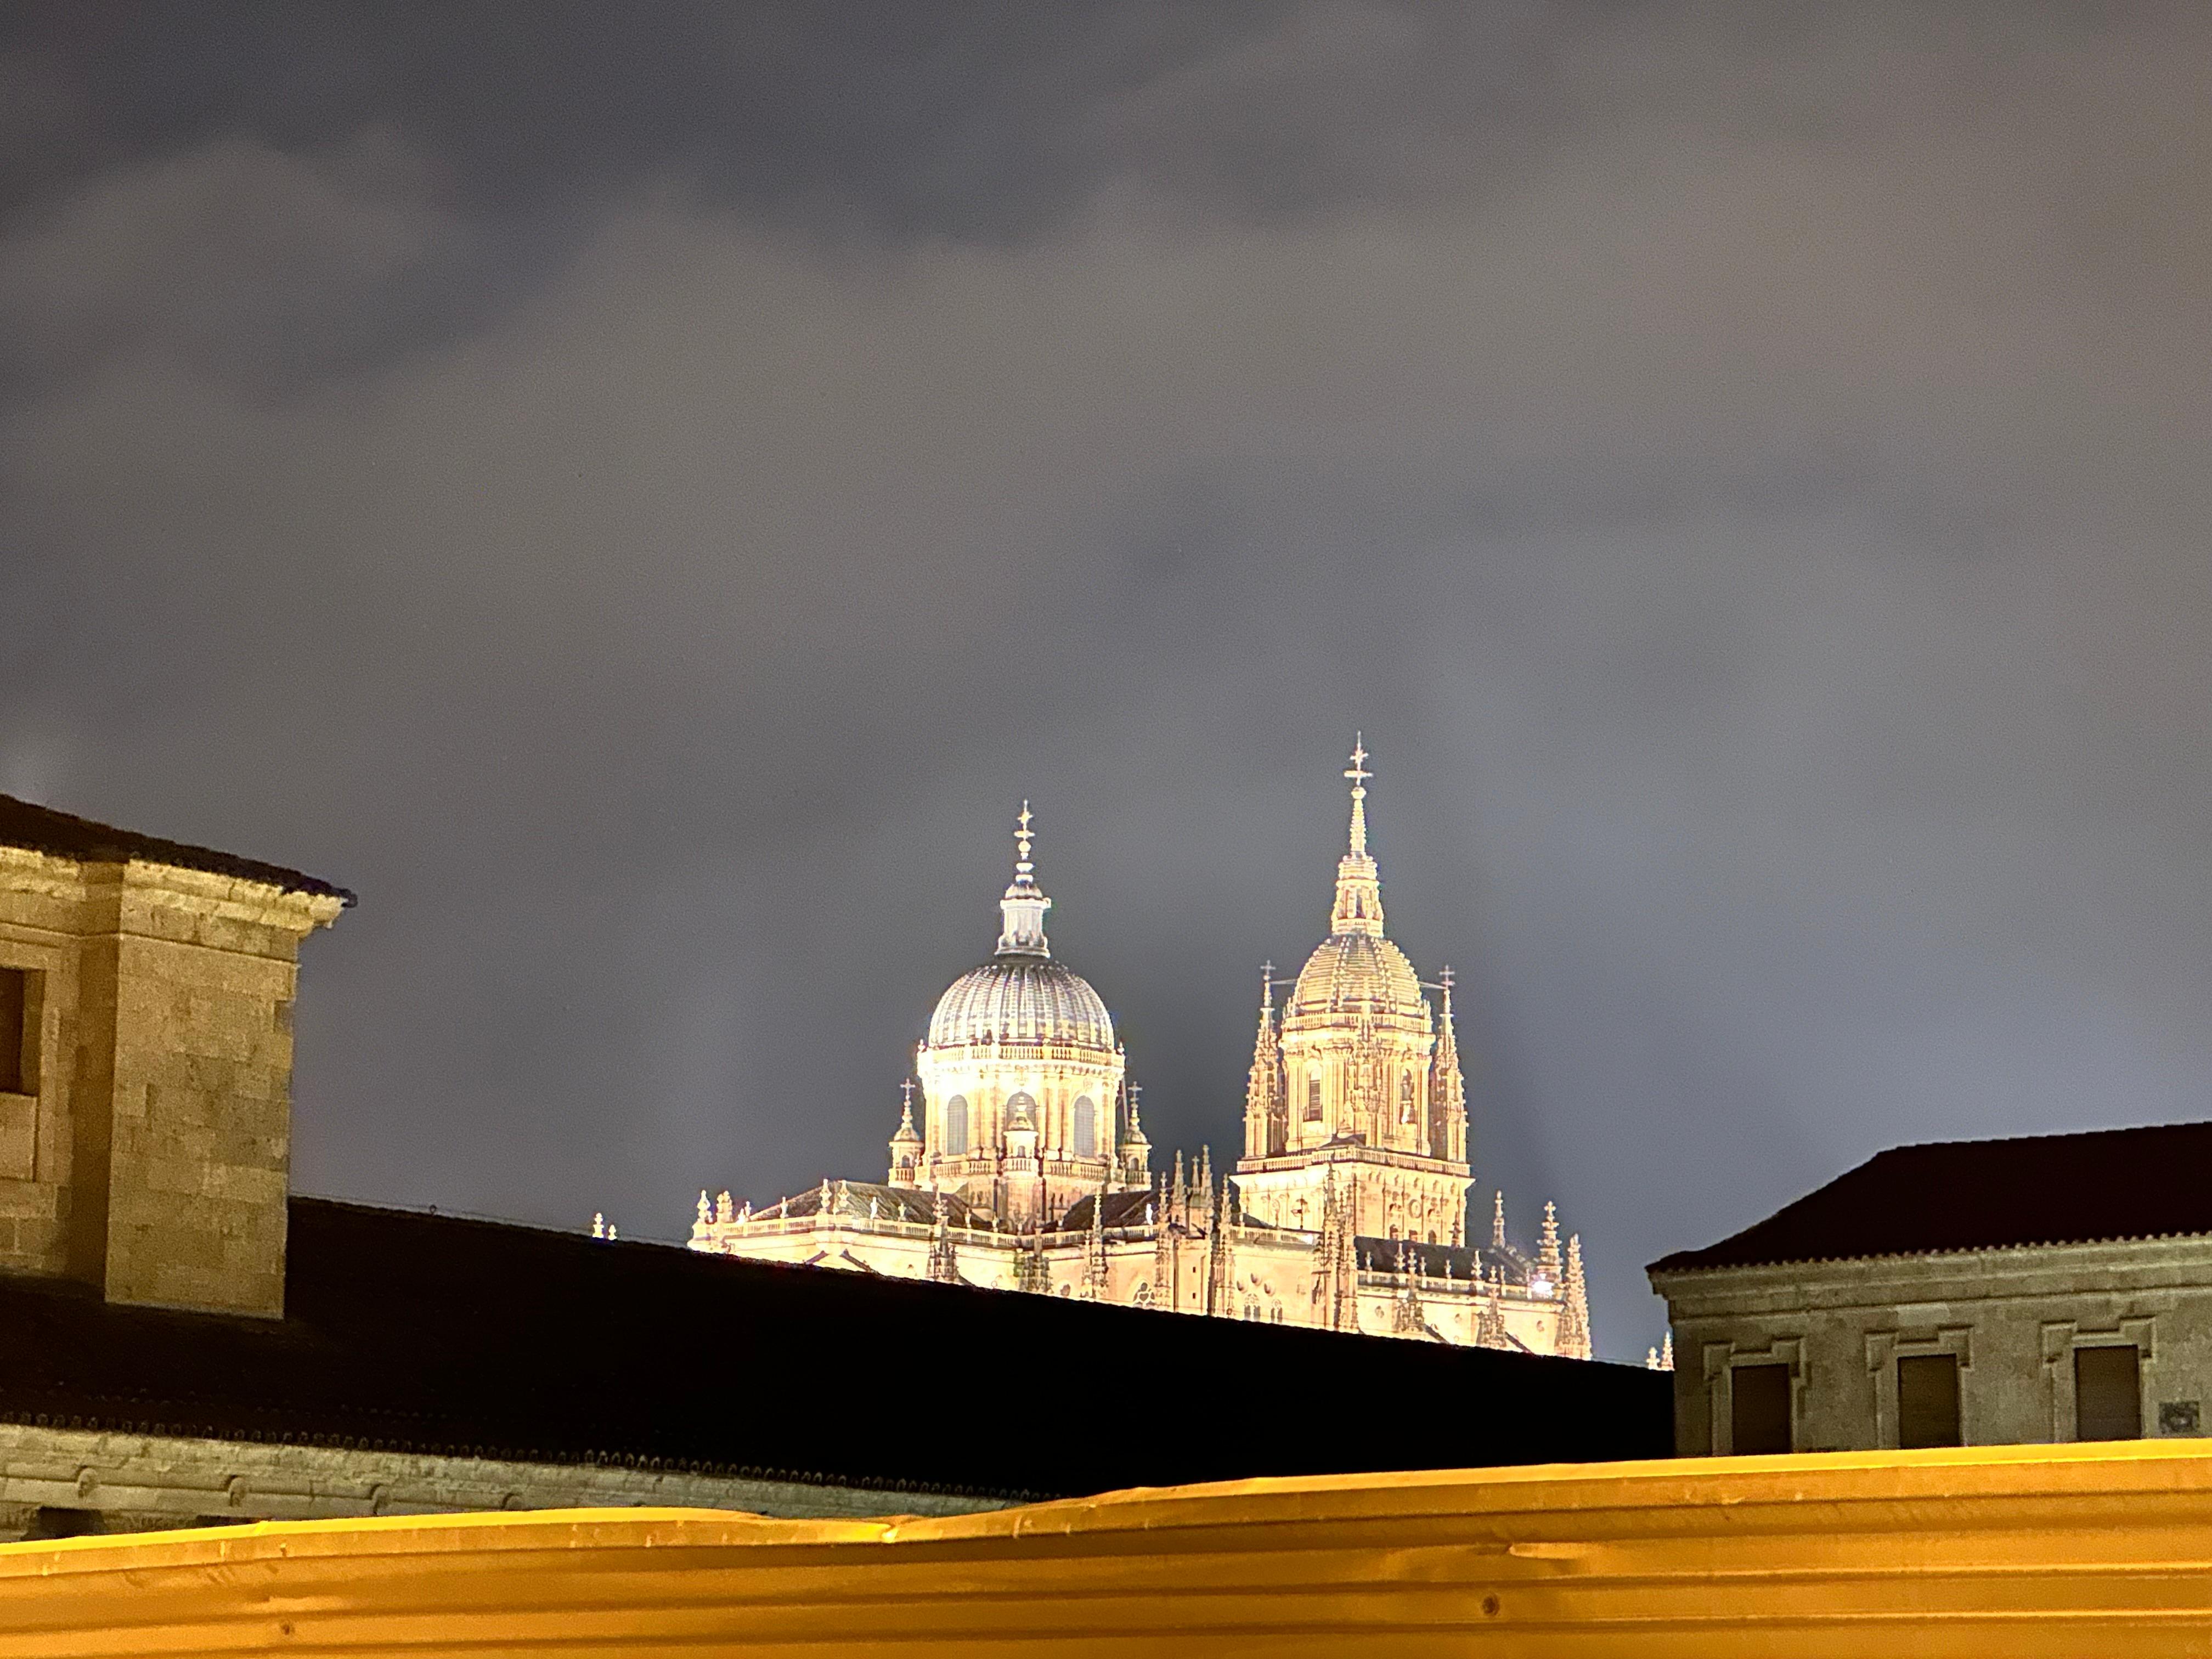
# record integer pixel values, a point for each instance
(2013, 1551)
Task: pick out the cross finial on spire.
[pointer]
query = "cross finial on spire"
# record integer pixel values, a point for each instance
(1359, 773)
(906, 1094)
(1022, 839)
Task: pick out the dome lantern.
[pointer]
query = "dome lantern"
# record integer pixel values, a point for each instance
(1022, 908)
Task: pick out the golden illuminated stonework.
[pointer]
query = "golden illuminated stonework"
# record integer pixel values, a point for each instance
(1029, 1169)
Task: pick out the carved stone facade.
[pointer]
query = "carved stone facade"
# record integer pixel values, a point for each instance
(1030, 1168)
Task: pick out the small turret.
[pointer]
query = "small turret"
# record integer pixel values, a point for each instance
(1136, 1151)
(906, 1145)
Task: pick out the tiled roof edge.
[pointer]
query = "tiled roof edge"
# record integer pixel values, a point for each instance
(1671, 1264)
(110, 1423)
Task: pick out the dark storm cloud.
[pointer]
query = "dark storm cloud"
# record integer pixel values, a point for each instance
(644, 503)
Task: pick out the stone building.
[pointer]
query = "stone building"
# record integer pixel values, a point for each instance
(2046, 1289)
(188, 1342)
(1029, 1168)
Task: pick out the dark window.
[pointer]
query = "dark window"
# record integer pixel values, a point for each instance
(1312, 1098)
(1761, 1412)
(2108, 1393)
(1927, 1399)
(14, 998)
(955, 1126)
(1086, 1128)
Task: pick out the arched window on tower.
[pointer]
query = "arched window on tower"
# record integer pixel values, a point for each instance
(1313, 1098)
(1406, 1097)
(955, 1126)
(1086, 1127)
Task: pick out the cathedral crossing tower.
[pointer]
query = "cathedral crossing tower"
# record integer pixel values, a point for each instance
(1356, 1086)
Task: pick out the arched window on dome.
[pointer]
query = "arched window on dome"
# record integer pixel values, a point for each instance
(1086, 1127)
(955, 1126)
(1021, 1108)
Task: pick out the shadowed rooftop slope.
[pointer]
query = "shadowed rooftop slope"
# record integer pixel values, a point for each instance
(42, 830)
(1982, 1194)
(440, 1334)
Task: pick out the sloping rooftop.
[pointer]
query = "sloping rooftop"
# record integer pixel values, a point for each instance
(2150, 1183)
(62, 835)
(425, 1333)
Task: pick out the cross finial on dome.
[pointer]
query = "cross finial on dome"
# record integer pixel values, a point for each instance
(1021, 841)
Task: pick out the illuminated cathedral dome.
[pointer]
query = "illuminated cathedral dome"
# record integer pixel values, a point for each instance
(1022, 995)
(1353, 973)
(1018, 998)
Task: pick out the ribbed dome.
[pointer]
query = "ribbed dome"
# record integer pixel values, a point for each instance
(1023, 998)
(1353, 971)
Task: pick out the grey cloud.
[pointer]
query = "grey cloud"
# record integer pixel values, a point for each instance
(1757, 518)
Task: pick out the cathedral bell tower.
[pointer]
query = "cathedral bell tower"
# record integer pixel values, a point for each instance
(1356, 1083)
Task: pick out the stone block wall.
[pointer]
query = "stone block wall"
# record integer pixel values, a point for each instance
(151, 1157)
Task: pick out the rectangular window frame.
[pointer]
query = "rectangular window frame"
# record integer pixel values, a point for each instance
(1884, 1348)
(21, 989)
(2093, 1356)
(2062, 1337)
(1720, 1362)
(1926, 1401)
(1749, 1380)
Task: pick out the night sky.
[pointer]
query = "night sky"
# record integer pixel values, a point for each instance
(642, 493)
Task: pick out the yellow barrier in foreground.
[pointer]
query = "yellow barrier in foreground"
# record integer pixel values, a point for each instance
(2013, 1551)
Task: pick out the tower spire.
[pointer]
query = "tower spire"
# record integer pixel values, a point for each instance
(1359, 773)
(1358, 886)
(1024, 905)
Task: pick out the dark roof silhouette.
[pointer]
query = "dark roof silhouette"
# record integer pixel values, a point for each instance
(41, 830)
(424, 1333)
(1983, 1194)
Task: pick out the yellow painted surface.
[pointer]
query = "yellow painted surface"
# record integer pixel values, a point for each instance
(2013, 1551)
